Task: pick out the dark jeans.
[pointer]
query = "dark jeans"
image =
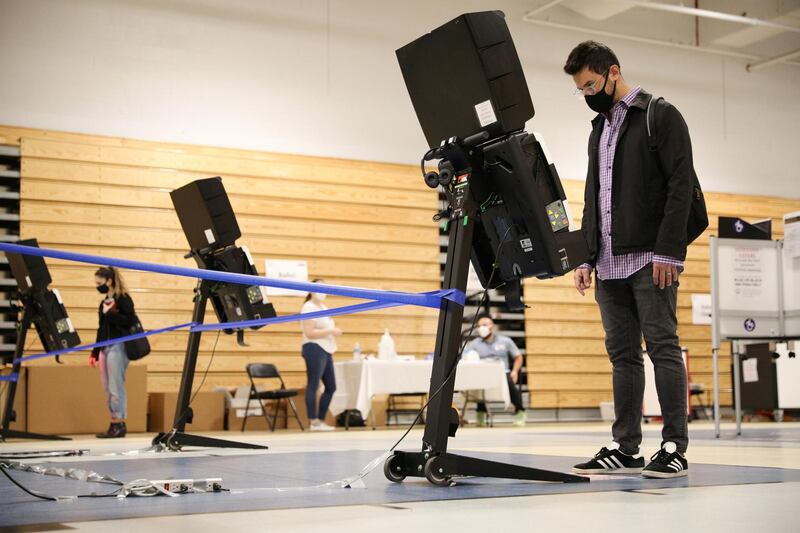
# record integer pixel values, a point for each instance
(319, 366)
(629, 308)
(516, 397)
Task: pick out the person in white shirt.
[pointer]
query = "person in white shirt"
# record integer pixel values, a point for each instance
(319, 345)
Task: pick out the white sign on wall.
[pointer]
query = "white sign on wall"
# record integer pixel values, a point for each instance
(289, 270)
(701, 309)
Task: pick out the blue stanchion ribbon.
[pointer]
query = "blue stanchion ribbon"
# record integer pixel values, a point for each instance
(109, 342)
(429, 299)
(346, 310)
(382, 299)
(10, 377)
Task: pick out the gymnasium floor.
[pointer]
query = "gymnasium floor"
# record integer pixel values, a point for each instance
(736, 484)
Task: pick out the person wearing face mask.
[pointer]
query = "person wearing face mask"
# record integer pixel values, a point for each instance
(491, 345)
(636, 220)
(319, 345)
(116, 316)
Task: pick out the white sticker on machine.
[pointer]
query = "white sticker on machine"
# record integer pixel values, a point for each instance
(210, 236)
(485, 113)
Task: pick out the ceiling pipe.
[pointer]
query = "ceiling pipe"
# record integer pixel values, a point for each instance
(593, 31)
(784, 58)
(544, 7)
(757, 62)
(707, 13)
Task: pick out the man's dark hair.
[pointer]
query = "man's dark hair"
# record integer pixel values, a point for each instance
(484, 315)
(597, 56)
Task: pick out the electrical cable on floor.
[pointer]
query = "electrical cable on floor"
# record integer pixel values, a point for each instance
(11, 456)
(6, 466)
(137, 487)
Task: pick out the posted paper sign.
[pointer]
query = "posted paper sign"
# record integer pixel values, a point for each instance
(750, 370)
(701, 309)
(748, 282)
(290, 270)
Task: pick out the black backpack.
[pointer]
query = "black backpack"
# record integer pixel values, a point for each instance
(355, 419)
(698, 215)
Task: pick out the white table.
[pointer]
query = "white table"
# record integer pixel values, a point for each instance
(357, 382)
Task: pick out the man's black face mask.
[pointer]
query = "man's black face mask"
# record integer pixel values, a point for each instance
(601, 102)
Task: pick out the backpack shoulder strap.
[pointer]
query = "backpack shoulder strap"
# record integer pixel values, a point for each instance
(651, 122)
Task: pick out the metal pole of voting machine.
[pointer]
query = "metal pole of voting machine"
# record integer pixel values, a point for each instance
(176, 439)
(434, 462)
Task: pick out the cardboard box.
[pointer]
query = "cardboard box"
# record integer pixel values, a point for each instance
(20, 400)
(208, 409)
(67, 400)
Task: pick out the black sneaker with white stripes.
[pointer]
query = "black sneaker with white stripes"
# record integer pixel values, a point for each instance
(667, 463)
(611, 461)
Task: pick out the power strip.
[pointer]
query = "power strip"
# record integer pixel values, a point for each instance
(181, 486)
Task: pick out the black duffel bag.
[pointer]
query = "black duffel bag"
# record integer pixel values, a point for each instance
(350, 418)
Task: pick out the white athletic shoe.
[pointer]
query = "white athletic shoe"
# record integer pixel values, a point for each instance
(319, 425)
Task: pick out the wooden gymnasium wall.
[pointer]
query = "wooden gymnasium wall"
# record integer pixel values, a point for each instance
(110, 196)
(567, 361)
(356, 223)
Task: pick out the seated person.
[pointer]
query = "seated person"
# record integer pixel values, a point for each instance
(491, 345)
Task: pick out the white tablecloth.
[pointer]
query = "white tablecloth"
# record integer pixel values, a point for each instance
(358, 381)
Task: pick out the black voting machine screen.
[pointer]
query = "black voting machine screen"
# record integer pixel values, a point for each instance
(466, 82)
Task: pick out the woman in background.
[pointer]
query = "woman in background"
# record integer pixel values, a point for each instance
(319, 345)
(116, 316)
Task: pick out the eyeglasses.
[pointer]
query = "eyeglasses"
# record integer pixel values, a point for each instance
(590, 88)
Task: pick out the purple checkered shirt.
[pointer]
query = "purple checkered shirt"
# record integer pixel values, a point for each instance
(608, 265)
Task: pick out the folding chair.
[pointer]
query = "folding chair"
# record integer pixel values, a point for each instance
(268, 371)
(394, 409)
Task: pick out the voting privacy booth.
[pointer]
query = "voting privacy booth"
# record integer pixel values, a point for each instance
(755, 296)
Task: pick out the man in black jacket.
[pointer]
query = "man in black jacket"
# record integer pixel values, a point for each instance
(637, 203)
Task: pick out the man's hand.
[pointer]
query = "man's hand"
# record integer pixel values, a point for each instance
(664, 275)
(583, 279)
(514, 376)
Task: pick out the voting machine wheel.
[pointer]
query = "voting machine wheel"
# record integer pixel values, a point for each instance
(172, 444)
(393, 469)
(434, 474)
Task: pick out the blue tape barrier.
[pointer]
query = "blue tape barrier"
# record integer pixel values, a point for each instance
(345, 310)
(10, 377)
(429, 299)
(381, 299)
(109, 342)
